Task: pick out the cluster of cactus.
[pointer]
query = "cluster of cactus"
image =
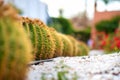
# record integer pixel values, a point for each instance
(48, 43)
(22, 38)
(15, 46)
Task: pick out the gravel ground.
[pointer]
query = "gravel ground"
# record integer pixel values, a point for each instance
(100, 67)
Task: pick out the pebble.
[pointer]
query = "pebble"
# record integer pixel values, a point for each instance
(100, 67)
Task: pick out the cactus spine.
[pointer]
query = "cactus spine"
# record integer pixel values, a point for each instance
(31, 31)
(15, 50)
(75, 45)
(67, 45)
(41, 38)
(48, 45)
(58, 43)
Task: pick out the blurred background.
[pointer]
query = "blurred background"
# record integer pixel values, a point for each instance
(96, 22)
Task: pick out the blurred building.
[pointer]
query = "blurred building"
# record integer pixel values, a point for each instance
(80, 21)
(99, 16)
(32, 9)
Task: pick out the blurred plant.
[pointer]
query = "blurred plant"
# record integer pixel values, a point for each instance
(62, 71)
(108, 42)
(99, 42)
(109, 1)
(115, 40)
(61, 12)
(62, 25)
(106, 1)
(56, 24)
(83, 35)
(108, 26)
(110, 34)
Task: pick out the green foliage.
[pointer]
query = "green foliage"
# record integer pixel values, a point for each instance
(61, 75)
(108, 26)
(67, 28)
(56, 24)
(83, 35)
(106, 1)
(115, 20)
(62, 71)
(62, 25)
(115, 46)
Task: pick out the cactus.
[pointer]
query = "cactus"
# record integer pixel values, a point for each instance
(15, 48)
(58, 43)
(48, 43)
(67, 45)
(31, 31)
(75, 45)
(41, 38)
(48, 47)
(83, 49)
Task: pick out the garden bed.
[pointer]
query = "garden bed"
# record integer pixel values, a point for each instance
(100, 67)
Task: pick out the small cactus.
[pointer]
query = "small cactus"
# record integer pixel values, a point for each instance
(15, 47)
(31, 31)
(83, 49)
(67, 45)
(58, 43)
(48, 44)
(75, 45)
(41, 38)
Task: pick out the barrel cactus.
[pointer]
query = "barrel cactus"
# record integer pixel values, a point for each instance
(48, 47)
(41, 38)
(75, 45)
(58, 43)
(31, 31)
(67, 45)
(83, 49)
(15, 47)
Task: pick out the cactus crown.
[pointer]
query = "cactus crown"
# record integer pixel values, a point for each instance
(15, 47)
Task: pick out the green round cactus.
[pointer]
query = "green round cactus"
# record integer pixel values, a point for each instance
(83, 49)
(15, 50)
(75, 45)
(67, 45)
(31, 31)
(48, 45)
(58, 43)
(41, 38)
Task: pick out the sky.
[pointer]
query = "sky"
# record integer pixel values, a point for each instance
(73, 7)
